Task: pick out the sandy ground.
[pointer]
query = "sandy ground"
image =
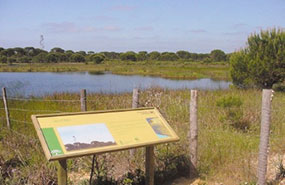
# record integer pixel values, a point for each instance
(272, 170)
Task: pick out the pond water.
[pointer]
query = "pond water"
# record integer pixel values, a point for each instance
(41, 83)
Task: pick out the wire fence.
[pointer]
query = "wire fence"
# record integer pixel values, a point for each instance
(27, 109)
(11, 99)
(24, 136)
(31, 110)
(43, 100)
(20, 121)
(13, 104)
(46, 100)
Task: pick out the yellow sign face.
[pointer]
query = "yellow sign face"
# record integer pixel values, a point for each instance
(85, 133)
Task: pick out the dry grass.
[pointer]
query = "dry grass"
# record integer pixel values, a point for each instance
(226, 154)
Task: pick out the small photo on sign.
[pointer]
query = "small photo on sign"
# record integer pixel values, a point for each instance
(85, 136)
(158, 127)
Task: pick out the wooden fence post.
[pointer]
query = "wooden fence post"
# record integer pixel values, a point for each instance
(149, 165)
(83, 100)
(6, 106)
(264, 135)
(135, 104)
(83, 105)
(193, 132)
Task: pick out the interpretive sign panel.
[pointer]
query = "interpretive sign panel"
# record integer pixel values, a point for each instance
(85, 133)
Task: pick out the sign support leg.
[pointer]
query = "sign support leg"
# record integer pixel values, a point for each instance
(149, 165)
(62, 172)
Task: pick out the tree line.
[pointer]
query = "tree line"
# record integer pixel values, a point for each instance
(56, 55)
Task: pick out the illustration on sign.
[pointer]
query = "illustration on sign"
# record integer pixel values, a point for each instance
(85, 136)
(157, 126)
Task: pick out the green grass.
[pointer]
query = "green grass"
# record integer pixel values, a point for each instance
(174, 70)
(226, 154)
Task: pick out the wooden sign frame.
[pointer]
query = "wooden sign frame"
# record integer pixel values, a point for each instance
(35, 118)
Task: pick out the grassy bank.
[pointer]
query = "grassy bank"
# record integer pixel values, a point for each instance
(175, 70)
(228, 145)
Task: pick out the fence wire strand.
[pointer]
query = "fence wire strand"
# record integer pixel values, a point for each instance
(92, 101)
(15, 120)
(30, 110)
(27, 99)
(24, 136)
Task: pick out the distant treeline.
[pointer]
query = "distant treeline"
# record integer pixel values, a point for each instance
(36, 55)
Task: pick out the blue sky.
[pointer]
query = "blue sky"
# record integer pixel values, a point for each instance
(137, 25)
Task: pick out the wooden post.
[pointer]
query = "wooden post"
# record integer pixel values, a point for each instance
(149, 165)
(62, 172)
(83, 100)
(83, 105)
(264, 135)
(135, 104)
(6, 106)
(193, 132)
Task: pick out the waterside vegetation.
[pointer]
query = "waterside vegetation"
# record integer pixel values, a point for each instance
(177, 70)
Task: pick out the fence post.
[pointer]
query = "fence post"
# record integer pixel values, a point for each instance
(83, 100)
(6, 106)
(193, 132)
(135, 104)
(83, 105)
(264, 135)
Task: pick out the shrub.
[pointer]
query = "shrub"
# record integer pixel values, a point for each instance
(233, 112)
(142, 55)
(3, 59)
(40, 58)
(130, 56)
(154, 55)
(218, 55)
(51, 57)
(77, 58)
(229, 102)
(97, 58)
(11, 60)
(25, 59)
(168, 56)
(279, 87)
(262, 62)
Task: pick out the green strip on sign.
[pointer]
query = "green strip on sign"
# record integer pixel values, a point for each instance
(52, 142)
